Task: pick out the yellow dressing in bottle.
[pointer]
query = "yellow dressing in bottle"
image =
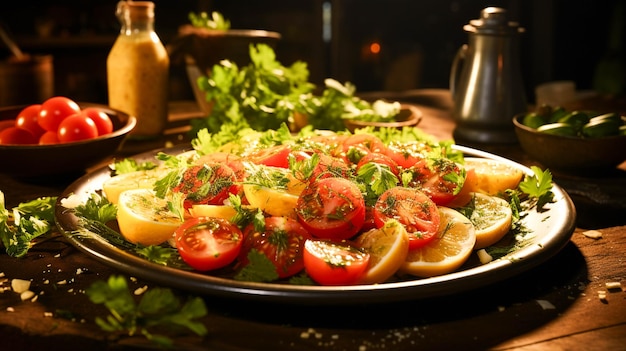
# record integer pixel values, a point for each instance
(138, 70)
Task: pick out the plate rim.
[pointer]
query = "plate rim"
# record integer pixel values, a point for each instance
(420, 288)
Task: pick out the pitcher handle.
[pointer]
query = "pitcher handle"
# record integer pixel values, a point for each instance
(460, 55)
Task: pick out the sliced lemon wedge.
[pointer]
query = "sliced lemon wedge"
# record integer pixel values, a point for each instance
(143, 218)
(388, 247)
(447, 252)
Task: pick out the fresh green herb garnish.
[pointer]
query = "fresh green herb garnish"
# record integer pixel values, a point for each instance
(377, 178)
(97, 208)
(215, 21)
(27, 221)
(157, 308)
(258, 269)
(265, 94)
(538, 187)
(128, 165)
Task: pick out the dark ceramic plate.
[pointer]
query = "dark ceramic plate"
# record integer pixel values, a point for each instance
(45, 160)
(551, 230)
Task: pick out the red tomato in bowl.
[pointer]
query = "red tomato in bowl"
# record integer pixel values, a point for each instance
(208, 243)
(282, 242)
(334, 263)
(76, 127)
(7, 123)
(49, 138)
(331, 208)
(411, 207)
(54, 110)
(100, 118)
(28, 119)
(17, 136)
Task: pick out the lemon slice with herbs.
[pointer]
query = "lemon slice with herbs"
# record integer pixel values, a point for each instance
(493, 176)
(447, 252)
(491, 216)
(115, 185)
(145, 219)
(219, 211)
(388, 247)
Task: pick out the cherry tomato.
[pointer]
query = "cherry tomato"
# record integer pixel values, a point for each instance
(326, 167)
(100, 118)
(7, 123)
(331, 208)
(49, 138)
(411, 207)
(208, 243)
(209, 183)
(381, 159)
(355, 146)
(441, 181)
(76, 127)
(274, 156)
(17, 136)
(408, 155)
(334, 263)
(54, 110)
(28, 119)
(233, 161)
(282, 242)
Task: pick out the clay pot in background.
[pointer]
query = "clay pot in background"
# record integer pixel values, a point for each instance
(26, 80)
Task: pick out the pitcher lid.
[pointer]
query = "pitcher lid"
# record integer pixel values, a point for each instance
(493, 20)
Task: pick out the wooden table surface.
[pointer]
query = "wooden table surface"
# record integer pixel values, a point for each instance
(555, 306)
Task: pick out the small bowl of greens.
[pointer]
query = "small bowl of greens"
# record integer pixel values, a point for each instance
(572, 140)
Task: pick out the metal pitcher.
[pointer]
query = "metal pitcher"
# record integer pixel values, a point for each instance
(489, 90)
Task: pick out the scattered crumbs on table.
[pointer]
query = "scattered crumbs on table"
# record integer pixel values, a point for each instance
(613, 286)
(48, 314)
(141, 290)
(501, 308)
(546, 305)
(10, 309)
(602, 295)
(593, 234)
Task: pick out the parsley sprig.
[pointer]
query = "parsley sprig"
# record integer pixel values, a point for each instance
(27, 221)
(157, 308)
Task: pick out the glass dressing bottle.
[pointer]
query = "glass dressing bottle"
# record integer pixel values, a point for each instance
(138, 69)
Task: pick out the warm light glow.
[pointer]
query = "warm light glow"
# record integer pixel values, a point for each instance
(375, 48)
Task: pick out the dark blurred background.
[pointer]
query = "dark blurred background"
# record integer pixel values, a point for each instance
(417, 39)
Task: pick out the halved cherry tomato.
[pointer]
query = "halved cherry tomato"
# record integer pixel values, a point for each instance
(411, 207)
(209, 183)
(442, 181)
(282, 242)
(28, 119)
(54, 110)
(233, 161)
(208, 243)
(355, 146)
(274, 156)
(326, 167)
(334, 263)
(381, 159)
(17, 136)
(100, 118)
(77, 127)
(408, 155)
(331, 208)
